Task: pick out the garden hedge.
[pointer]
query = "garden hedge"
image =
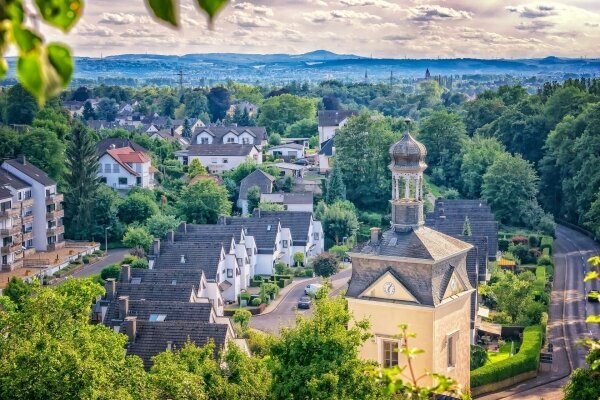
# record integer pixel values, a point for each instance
(547, 243)
(527, 359)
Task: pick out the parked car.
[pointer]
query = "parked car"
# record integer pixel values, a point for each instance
(312, 289)
(301, 161)
(304, 303)
(593, 296)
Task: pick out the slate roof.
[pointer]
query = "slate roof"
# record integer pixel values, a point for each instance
(193, 231)
(298, 223)
(174, 311)
(256, 178)
(217, 132)
(294, 146)
(5, 194)
(478, 257)
(8, 179)
(155, 292)
(264, 230)
(31, 171)
(105, 144)
(203, 256)
(334, 117)
(229, 149)
(171, 276)
(153, 337)
(289, 198)
(327, 148)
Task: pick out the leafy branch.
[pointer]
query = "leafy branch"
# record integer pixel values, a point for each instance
(45, 69)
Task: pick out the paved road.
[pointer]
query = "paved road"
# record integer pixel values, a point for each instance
(114, 256)
(568, 311)
(285, 313)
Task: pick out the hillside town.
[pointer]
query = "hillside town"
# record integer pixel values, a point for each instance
(405, 239)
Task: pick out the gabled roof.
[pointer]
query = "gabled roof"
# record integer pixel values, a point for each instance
(334, 117)
(298, 222)
(230, 149)
(156, 292)
(153, 338)
(171, 276)
(256, 178)
(8, 179)
(5, 194)
(294, 146)
(327, 148)
(218, 132)
(173, 310)
(203, 256)
(107, 143)
(31, 171)
(264, 230)
(288, 198)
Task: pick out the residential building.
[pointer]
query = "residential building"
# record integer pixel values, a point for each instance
(289, 151)
(169, 135)
(332, 120)
(125, 167)
(218, 158)
(41, 205)
(10, 230)
(256, 135)
(295, 201)
(243, 105)
(291, 170)
(74, 107)
(256, 178)
(416, 276)
(327, 151)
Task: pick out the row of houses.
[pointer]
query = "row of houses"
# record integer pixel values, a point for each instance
(31, 213)
(194, 272)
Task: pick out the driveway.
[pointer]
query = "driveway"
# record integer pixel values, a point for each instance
(284, 315)
(568, 311)
(114, 256)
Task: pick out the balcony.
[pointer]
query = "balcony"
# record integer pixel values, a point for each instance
(27, 202)
(9, 213)
(15, 230)
(11, 266)
(56, 246)
(10, 248)
(54, 198)
(55, 214)
(27, 236)
(55, 230)
(28, 218)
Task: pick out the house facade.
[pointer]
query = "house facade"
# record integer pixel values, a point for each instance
(218, 158)
(416, 276)
(332, 120)
(257, 178)
(295, 201)
(124, 168)
(290, 151)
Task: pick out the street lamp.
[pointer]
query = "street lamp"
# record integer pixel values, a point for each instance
(106, 239)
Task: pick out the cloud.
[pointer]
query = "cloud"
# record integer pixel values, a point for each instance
(93, 30)
(535, 26)
(426, 13)
(117, 18)
(537, 11)
(142, 33)
(375, 3)
(592, 25)
(339, 15)
(246, 20)
(398, 38)
(258, 10)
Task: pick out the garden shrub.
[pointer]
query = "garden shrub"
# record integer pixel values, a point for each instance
(545, 260)
(129, 259)
(140, 263)
(112, 271)
(534, 241)
(256, 302)
(519, 239)
(547, 243)
(527, 359)
(308, 272)
(503, 244)
(85, 259)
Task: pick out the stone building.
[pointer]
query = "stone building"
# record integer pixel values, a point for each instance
(413, 275)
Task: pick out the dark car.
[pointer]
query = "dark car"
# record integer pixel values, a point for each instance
(304, 303)
(593, 296)
(301, 161)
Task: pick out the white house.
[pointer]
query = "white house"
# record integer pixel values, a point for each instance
(295, 201)
(332, 120)
(218, 158)
(287, 151)
(293, 170)
(125, 168)
(257, 178)
(230, 135)
(325, 154)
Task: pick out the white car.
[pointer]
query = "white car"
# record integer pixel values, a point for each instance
(312, 289)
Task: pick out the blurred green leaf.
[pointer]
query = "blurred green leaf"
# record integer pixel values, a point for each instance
(29, 71)
(14, 11)
(61, 13)
(212, 7)
(3, 67)
(26, 39)
(60, 58)
(165, 10)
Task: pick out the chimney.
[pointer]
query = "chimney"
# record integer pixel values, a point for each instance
(111, 288)
(156, 247)
(130, 325)
(171, 236)
(184, 224)
(172, 131)
(375, 235)
(125, 273)
(169, 345)
(21, 158)
(123, 307)
(182, 259)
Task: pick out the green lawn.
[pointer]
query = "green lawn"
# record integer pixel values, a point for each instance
(504, 352)
(313, 177)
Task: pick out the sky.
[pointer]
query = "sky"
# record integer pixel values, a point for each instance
(378, 28)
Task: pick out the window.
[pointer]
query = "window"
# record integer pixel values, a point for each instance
(451, 344)
(107, 168)
(122, 181)
(102, 179)
(20, 196)
(204, 140)
(230, 273)
(316, 236)
(213, 160)
(285, 244)
(136, 281)
(116, 168)
(390, 353)
(245, 140)
(157, 317)
(230, 140)
(225, 161)
(4, 260)
(240, 261)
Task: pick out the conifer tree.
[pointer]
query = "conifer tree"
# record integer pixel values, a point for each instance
(82, 182)
(187, 129)
(467, 227)
(88, 111)
(336, 189)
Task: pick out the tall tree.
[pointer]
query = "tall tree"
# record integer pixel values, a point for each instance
(45, 150)
(137, 207)
(187, 129)
(253, 198)
(479, 154)
(203, 203)
(340, 221)
(219, 101)
(277, 112)
(21, 106)
(336, 190)
(88, 111)
(82, 182)
(107, 109)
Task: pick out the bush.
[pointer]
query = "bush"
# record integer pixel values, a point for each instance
(242, 317)
(325, 264)
(545, 260)
(503, 244)
(279, 268)
(340, 251)
(309, 273)
(479, 356)
(128, 259)
(519, 239)
(256, 302)
(85, 259)
(547, 243)
(112, 271)
(140, 263)
(534, 241)
(527, 359)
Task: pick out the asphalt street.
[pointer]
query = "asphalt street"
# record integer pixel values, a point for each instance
(114, 256)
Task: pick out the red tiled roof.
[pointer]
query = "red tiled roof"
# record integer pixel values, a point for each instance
(126, 155)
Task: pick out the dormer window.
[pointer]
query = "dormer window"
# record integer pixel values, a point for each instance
(182, 260)
(230, 140)
(157, 317)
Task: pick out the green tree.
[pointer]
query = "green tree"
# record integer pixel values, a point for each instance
(219, 101)
(339, 221)
(584, 383)
(45, 150)
(106, 109)
(479, 154)
(203, 202)
(481, 112)
(466, 227)
(305, 128)
(274, 139)
(106, 208)
(336, 190)
(187, 129)
(10, 145)
(278, 112)
(332, 370)
(592, 217)
(511, 294)
(509, 185)
(88, 111)
(242, 317)
(168, 104)
(137, 237)
(18, 291)
(253, 198)
(444, 134)
(137, 207)
(21, 106)
(82, 183)
(326, 264)
(159, 224)
(298, 258)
